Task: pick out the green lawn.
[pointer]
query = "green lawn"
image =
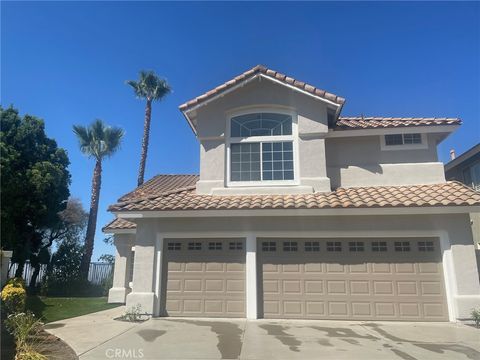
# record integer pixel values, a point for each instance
(56, 308)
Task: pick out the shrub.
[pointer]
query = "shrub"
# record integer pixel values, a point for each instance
(134, 314)
(24, 327)
(107, 284)
(476, 316)
(16, 282)
(70, 287)
(13, 298)
(29, 353)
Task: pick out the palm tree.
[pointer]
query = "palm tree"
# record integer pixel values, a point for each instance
(149, 87)
(97, 141)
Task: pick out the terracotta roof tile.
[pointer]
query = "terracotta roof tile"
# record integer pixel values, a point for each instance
(161, 184)
(119, 224)
(361, 122)
(185, 198)
(260, 69)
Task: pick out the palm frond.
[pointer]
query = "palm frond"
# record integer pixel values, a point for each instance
(112, 137)
(98, 140)
(84, 137)
(150, 86)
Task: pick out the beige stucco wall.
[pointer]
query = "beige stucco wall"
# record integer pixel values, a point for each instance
(475, 223)
(454, 231)
(312, 127)
(360, 161)
(325, 162)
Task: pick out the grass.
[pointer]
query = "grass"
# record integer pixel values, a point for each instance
(57, 308)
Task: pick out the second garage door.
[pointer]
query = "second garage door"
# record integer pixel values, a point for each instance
(205, 278)
(380, 279)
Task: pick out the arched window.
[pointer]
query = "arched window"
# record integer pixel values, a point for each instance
(261, 124)
(261, 148)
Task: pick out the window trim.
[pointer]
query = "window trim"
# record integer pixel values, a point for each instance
(385, 147)
(260, 139)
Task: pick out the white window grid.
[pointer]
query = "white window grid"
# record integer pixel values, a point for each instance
(293, 138)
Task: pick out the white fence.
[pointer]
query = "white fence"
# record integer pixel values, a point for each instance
(96, 274)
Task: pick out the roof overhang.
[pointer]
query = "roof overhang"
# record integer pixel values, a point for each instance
(190, 113)
(463, 157)
(427, 210)
(444, 129)
(119, 231)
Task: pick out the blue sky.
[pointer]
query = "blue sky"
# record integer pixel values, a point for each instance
(66, 62)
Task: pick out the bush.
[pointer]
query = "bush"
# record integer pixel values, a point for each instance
(25, 328)
(22, 326)
(107, 283)
(64, 278)
(70, 287)
(134, 314)
(13, 299)
(476, 316)
(16, 282)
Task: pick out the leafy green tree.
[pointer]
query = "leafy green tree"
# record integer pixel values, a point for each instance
(71, 224)
(107, 258)
(98, 141)
(151, 88)
(34, 184)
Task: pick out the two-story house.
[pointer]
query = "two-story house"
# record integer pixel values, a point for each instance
(300, 213)
(466, 169)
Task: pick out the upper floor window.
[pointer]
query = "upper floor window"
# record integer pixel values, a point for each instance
(402, 139)
(261, 147)
(471, 176)
(261, 124)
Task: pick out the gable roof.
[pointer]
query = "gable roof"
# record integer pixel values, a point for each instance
(269, 73)
(119, 224)
(407, 196)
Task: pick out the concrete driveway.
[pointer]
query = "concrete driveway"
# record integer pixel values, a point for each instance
(98, 336)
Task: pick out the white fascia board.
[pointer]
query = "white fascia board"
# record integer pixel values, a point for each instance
(384, 131)
(120, 231)
(243, 83)
(299, 212)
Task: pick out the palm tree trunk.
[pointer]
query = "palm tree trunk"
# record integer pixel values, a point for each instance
(92, 220)
(146, 136)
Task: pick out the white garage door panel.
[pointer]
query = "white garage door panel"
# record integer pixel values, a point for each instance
(347, 284)
(205, 277)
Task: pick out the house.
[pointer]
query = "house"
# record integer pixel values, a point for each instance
(299, 212)
(466, 169)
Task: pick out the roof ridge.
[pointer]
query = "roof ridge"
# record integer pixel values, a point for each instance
(267, 72)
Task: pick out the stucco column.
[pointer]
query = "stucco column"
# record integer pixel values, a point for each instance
(143, 292)
(123, 257)
(5, 259)
(251, 276)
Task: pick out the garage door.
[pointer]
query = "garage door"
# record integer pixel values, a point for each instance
(205, 277)
(380, 279)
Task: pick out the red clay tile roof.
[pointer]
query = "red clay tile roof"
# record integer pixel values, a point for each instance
(446, 194)
(260, 69)
(119, 224)
(361, 122)
(162, 184)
